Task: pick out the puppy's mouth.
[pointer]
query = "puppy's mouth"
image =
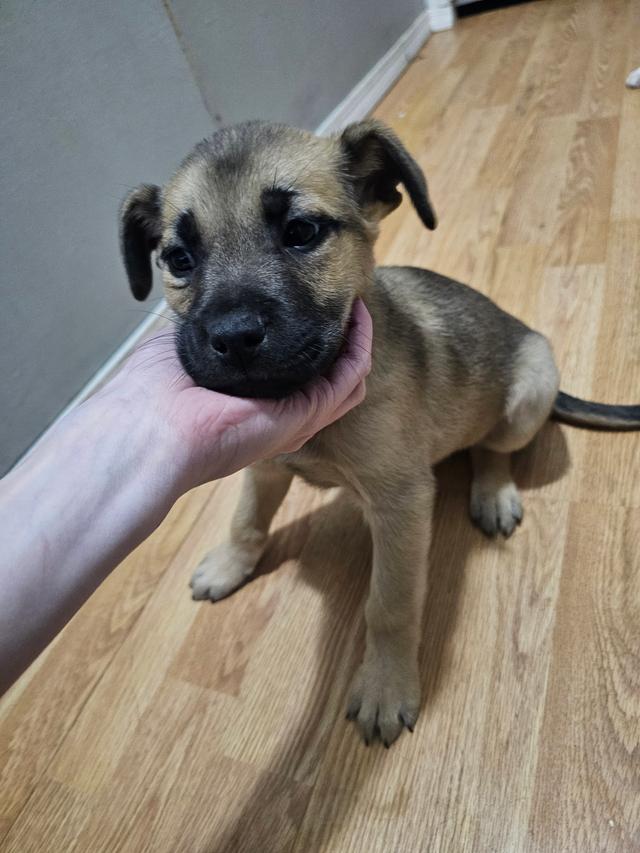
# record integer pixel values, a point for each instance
(265, 376)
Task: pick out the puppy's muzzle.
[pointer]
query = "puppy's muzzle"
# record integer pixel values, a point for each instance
(252, 353)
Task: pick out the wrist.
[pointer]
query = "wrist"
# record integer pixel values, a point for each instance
(163, 444)
(138, 444)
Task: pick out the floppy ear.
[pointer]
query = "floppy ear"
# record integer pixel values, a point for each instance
(140, 232)
(377, 162)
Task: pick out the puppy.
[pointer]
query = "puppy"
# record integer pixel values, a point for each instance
(265, 237)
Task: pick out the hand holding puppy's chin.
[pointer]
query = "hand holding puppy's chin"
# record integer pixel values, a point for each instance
(199, 435)
(223, 433)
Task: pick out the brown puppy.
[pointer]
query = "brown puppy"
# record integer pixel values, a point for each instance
(265, 236)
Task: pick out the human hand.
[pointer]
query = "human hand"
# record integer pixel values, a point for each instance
(209, 435)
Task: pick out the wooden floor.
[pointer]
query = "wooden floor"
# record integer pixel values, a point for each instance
(158, 724)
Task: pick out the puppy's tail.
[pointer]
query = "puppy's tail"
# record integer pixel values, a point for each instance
(582, 413)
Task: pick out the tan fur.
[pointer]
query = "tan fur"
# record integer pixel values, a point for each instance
(449, 371)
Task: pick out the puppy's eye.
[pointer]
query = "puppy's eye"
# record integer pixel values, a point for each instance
(300, 233)
(179, 261)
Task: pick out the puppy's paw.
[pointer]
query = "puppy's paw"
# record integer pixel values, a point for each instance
(633, 80)
(497, 510)
(385, 699)
(222, 571)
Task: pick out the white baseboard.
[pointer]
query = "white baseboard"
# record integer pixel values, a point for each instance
(358, 104)
(442, 19)
(377, 82)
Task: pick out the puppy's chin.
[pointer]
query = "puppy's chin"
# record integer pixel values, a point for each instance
(274, 383)
(273, 389)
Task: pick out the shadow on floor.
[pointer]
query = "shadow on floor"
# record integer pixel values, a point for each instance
(333, 549)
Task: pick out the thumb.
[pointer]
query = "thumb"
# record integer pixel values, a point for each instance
(328, 398)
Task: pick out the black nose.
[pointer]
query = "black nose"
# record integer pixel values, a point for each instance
(237, 336)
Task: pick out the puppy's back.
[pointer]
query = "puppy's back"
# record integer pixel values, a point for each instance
(460, 349)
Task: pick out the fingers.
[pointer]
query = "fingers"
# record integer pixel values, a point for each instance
(354, 399)
(328, 398)
(354, 363)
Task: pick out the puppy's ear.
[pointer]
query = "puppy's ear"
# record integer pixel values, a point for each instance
(377, 162)
(140, 232)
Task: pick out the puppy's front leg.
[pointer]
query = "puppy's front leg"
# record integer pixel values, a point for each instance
(230, 564)
(386, 692)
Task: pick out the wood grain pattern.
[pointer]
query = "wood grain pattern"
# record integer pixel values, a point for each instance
(157, 724)
(590, 739)
(602, 93)
(36, 718)
(542, 171)
(582, 224)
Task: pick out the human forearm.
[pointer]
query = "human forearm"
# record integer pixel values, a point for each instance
(69, 514)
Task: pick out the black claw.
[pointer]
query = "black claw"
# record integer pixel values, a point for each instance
(483, 525)
(366, 741)
(405, 721)
(386, 744)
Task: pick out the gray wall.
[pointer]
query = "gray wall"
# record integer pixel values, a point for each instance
(285, 60)
(98, 96)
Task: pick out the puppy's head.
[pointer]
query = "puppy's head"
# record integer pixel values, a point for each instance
(265, 238)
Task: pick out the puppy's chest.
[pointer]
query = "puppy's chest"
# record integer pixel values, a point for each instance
(321, 463)
(320, 473)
